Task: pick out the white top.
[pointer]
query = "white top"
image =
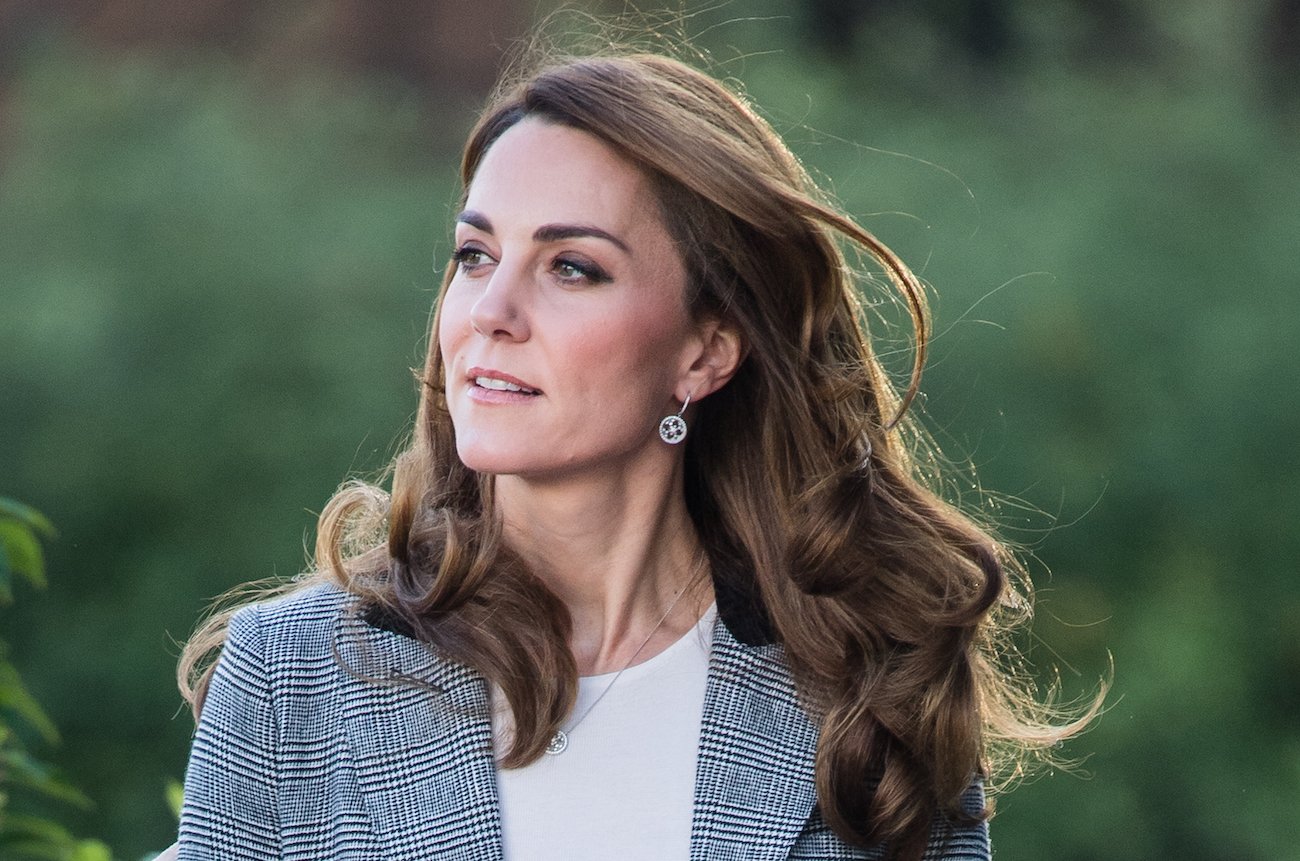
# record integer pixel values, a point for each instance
(625, 786)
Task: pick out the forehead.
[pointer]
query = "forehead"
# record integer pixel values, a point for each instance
(541, 172)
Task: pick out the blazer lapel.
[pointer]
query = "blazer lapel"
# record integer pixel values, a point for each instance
(422, 745)
(754, 783)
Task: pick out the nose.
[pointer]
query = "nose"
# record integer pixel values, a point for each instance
(500, 310)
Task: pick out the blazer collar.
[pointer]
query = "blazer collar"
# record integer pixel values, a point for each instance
(422, 740)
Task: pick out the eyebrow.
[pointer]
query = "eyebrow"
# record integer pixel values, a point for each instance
(548, 232)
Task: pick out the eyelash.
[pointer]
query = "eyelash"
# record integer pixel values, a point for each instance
(464, 258)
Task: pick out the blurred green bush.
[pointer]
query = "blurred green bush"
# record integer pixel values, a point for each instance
(214, 290)
(23, 835)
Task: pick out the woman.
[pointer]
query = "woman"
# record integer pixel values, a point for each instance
(658, 576)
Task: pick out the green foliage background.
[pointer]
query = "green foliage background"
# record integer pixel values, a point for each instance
(213, 284)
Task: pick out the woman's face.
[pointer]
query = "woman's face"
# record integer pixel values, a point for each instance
(564, 332)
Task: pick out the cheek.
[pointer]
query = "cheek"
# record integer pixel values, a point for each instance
(453, 325)
(635, 358)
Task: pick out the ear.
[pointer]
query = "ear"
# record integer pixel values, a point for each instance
(713, 360)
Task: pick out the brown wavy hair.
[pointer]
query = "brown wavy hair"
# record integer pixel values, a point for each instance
(808, 481)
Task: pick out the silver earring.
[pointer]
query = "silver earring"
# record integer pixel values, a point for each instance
(672, 429)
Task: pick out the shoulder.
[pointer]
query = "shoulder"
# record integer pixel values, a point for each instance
(305, 608)
(321, 636)
(294, 626)
(270, 639)
(286, 642)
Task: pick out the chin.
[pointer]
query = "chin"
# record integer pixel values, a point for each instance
(497, 459)
(536, 462)
(486, 462)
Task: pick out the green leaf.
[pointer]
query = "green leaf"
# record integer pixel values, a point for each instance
(90, 850)
(23, 770)
(11, 509)
(24, 552)
(175, 797)
(23, 833)
(35, 837)
(15, 698)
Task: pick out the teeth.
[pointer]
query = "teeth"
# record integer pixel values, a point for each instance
(499, 385)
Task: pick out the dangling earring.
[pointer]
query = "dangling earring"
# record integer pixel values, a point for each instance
(672, 429)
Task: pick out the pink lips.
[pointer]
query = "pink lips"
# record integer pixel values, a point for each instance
(484, 395)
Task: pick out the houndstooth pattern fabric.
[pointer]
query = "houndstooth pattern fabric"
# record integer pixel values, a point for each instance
(325, 737)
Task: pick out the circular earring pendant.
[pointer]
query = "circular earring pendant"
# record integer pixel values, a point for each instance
(672, 429)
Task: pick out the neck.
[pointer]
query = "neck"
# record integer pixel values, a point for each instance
(617, 550)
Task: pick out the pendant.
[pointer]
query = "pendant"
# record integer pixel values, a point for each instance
(559, 742)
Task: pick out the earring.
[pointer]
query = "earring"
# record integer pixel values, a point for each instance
(672, 429)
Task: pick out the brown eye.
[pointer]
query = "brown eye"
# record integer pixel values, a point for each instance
(575, 270)
(468, 257)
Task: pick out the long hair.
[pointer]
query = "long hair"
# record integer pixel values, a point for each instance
(806, 477)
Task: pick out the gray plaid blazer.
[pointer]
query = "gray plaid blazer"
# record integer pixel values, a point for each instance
(297, 757)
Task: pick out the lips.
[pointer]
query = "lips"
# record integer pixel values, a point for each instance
(496, 381)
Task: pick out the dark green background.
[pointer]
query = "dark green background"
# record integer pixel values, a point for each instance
(220, 232)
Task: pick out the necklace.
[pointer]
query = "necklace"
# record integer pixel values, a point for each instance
(560, 741)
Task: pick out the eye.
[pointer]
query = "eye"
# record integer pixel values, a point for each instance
(572, 270)
(470, 257)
